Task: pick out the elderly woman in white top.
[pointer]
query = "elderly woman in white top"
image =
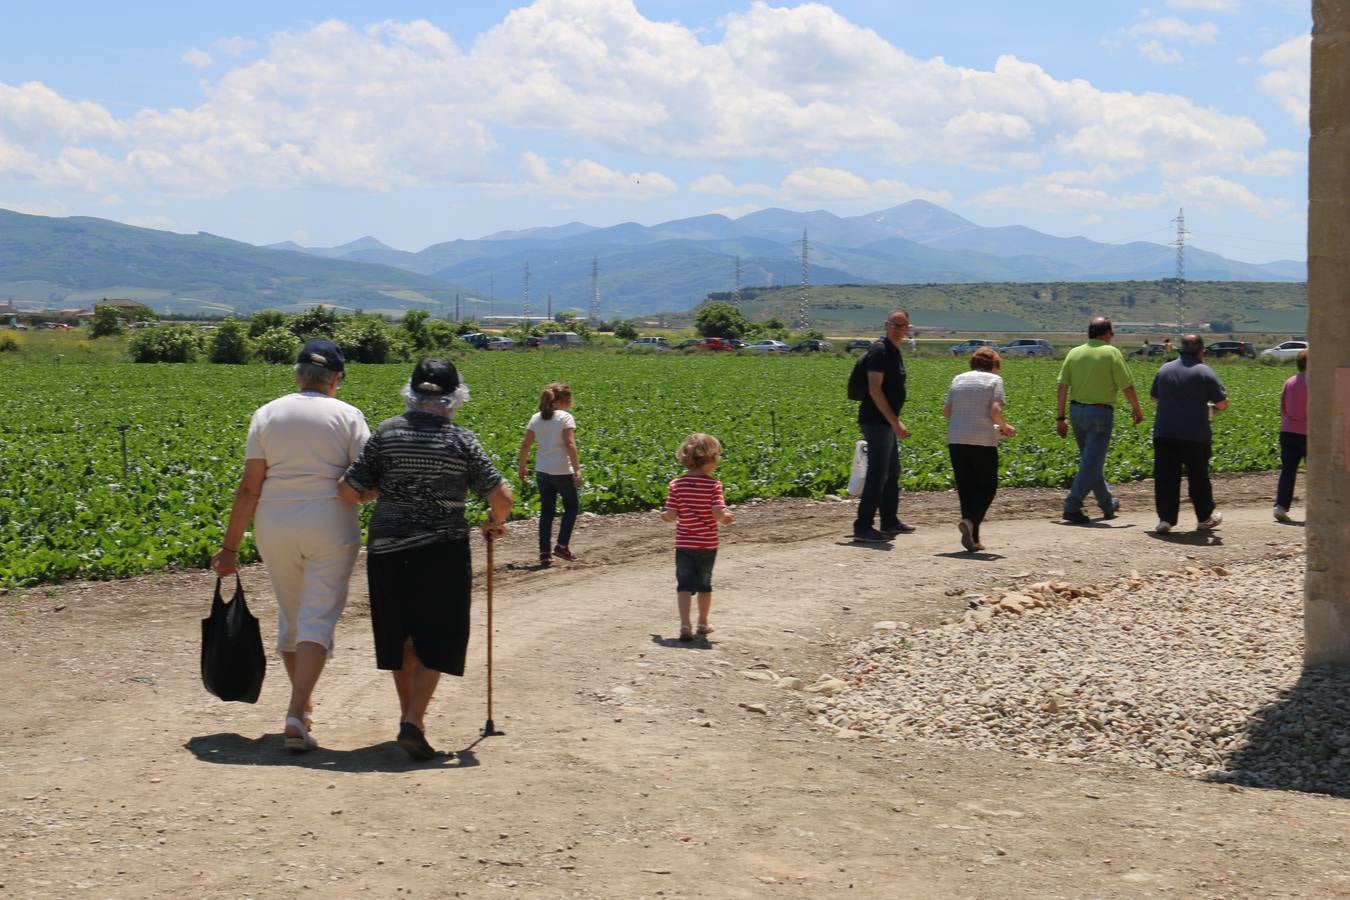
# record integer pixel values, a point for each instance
(298, 447)
(975, 425)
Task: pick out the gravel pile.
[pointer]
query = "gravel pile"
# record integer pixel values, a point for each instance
(1196, 672)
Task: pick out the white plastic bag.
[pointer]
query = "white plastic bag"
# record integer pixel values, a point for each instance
(857, 476)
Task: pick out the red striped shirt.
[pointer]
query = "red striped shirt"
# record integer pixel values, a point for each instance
(693, 498)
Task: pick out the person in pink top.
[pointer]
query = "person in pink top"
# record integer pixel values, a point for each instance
(1293, 435)
(695, 504)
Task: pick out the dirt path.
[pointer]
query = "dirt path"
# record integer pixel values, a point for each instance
(631, 766)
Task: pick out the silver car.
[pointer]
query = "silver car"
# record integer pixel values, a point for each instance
(1027, 347)
(768, 347)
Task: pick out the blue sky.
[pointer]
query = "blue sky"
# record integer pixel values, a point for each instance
(323, 122)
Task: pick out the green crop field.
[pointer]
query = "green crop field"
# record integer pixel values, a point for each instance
(70, 508)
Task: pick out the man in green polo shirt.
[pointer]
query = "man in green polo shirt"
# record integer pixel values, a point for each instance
(1091, 377)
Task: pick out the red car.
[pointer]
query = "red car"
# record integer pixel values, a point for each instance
(707, 343)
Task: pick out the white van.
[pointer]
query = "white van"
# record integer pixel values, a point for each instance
(562, 339)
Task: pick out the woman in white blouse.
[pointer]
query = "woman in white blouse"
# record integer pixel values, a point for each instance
(975, 425)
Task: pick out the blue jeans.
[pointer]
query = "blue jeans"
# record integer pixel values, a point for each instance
(550, 487)
(1092, 432)
(881, 490)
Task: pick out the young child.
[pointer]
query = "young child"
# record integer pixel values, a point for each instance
(696, 505)
(557, 472)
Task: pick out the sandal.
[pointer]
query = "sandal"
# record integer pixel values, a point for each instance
(686, 633)
(302, 742)
(414, 742)
(705, 629)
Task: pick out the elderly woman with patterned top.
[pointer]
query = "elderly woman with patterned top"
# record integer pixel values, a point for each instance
(422, 466)
(975, 425)
(298, 447)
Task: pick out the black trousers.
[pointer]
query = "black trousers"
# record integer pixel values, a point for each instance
(976, 471)
(1293, 450)
(1170, 457)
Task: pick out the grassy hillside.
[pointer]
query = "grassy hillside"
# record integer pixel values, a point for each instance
(72, 261)
(1267, 307)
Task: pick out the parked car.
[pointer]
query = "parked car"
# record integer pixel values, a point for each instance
(532, 342)
(812, 345)
(858, 344)
(706, 343)
(475, 339)
(499, 343)
(562, 339)
(1231, 348)
(738, 344)
(1027, 347)
(648, 343)
(768, 347)
(1287, 350)
(965, 348)
(1149, 350)
(53, 326)
(19, 326)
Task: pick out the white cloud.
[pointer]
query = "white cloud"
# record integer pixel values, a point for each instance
(198, 58)
(1173, 29)
(820, 185)
(1227, 6)
(586, 179)
(235, 46)
(1275, 164)
(1220, 193)
(399, 104)
(1066, 191)
(1290, 74)
(1154, 51)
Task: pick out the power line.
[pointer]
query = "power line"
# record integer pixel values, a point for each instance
(803, 321)
(595, 291)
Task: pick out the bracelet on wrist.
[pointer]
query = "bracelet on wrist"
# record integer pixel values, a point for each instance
(1060, 418)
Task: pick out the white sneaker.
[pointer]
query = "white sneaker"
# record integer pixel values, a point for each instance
(1162, 527)
(1212, 522)
(1281, 514)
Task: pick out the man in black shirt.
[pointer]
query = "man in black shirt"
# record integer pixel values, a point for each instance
(879, 421)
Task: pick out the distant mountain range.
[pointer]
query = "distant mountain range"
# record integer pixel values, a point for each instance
(667, 267)
(673, 265)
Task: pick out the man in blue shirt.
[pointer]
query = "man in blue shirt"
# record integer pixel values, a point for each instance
(1186, 390)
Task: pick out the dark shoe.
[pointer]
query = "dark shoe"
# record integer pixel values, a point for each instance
(871, 536)
(1115, 508)
(1077, 517)
(967, 539)
(898, 528)
(563, 553)
(411, 739)
(545, 560)
(686, 634)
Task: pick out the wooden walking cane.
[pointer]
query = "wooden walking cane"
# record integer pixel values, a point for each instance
(488, 728)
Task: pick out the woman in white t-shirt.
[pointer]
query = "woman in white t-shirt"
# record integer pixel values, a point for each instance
(975, 425)
(556, 470)
(298, 446)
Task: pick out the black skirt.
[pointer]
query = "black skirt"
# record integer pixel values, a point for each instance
(422, 593)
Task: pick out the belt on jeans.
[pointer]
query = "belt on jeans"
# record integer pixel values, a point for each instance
(1098, 405)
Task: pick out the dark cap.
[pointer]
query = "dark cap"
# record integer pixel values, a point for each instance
(434, 376)
(322, 353)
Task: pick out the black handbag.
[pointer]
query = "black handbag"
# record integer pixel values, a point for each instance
(233, 662)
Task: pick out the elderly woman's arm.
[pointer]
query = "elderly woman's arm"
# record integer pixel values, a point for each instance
(246, 495)
(352, 495)
(500, 501)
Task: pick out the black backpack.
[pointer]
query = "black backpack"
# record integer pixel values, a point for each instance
(857, 379)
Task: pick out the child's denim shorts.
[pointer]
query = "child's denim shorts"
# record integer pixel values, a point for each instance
(693, 570)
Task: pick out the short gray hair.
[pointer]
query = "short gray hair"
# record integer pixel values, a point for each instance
(314, 378)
